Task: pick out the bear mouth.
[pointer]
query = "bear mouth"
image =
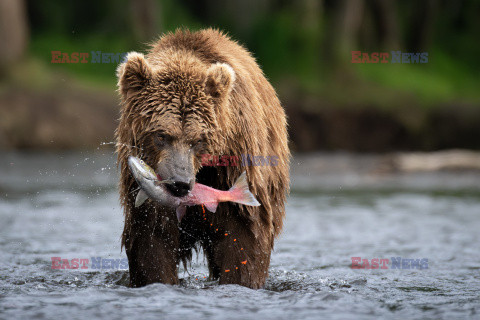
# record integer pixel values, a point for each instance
(173, 188)
(205, 176)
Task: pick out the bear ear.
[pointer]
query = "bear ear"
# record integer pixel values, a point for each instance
(133, 73)
(219, 81)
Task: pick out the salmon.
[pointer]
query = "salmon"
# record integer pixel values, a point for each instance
(151, 187)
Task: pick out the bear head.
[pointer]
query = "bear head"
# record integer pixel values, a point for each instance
(173, 110)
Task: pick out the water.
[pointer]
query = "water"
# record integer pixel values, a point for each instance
(340, 207)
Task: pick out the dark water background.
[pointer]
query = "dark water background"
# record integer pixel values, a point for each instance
(66, 205)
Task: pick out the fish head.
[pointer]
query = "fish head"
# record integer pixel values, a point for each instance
(140, 169)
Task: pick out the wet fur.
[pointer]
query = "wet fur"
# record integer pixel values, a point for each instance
(192, 84)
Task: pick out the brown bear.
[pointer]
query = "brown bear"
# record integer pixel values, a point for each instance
(198, 93)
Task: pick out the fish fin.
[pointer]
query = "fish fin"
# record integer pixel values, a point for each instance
(140, 199)
(241, 194)
(211, 206)
(181, 210)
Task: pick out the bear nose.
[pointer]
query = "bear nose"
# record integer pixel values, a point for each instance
(179, 188)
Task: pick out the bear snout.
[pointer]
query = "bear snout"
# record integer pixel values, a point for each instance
(179, 188)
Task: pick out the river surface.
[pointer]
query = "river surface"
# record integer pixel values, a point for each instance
(66, 205)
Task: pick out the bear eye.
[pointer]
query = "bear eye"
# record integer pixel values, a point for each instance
(161, 139)
(197, 143)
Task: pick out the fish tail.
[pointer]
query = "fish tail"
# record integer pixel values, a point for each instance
(241, 194)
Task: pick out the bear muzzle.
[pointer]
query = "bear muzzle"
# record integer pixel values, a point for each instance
(179, 188)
